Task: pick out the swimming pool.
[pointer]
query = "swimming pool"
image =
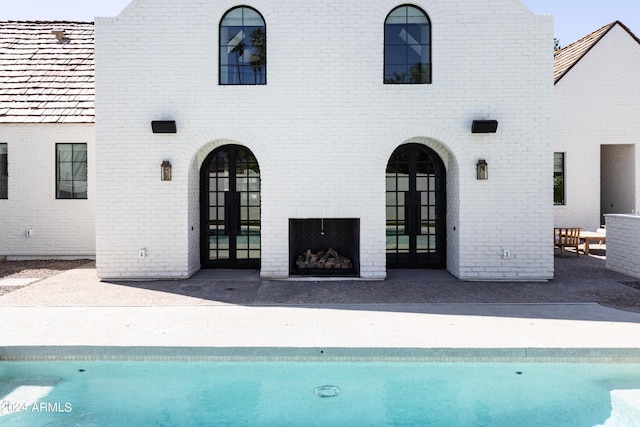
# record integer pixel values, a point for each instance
(309, 393)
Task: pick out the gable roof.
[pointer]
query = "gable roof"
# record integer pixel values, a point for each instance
(567, 57)
(47, 72)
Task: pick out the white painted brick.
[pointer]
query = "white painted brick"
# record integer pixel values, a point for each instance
(623, 244)
(158, 60)
(61, 228)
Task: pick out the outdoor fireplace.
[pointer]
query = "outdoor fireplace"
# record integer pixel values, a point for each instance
(324, 247)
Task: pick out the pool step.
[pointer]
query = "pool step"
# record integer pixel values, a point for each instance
(625, 410)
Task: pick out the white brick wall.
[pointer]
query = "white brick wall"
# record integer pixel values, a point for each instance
(597, 104)
(325, 114)
(623, 244)
(61, 228)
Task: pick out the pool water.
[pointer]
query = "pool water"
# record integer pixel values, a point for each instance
(309, 393)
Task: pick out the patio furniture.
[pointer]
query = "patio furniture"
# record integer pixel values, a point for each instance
(566, 237)
(592, 236)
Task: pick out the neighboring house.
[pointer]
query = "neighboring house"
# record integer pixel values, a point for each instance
(289, 126)
(47, 136)
(597, 129)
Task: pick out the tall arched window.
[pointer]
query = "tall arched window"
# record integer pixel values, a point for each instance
(243, 48)
(407, 46)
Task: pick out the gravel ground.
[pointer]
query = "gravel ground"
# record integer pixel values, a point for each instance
(40, 269)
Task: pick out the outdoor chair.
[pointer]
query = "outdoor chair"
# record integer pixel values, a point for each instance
(566, 237)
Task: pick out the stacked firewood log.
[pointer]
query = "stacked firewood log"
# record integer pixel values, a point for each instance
(322, 259)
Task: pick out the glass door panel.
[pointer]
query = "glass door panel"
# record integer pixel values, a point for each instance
(415, 200)
(231, 209)
(248, 188)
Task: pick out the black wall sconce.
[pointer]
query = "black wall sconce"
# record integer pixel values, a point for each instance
(484, 126)
(482, 170)
(163, 126)
(165, 170)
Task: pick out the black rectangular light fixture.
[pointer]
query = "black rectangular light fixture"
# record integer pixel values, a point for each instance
(484, 126)
(163, 126)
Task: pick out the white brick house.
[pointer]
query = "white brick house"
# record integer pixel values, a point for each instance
(311, 129)
(47, 135)
(597, 130)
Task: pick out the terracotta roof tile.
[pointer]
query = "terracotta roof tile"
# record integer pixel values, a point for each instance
(44, 79)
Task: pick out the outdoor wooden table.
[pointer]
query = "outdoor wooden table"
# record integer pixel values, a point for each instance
(591, 236)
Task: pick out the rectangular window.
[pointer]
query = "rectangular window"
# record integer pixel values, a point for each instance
(558, 178)
(4, 172)
(71, 171)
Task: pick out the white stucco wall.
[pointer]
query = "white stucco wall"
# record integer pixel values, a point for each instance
(324, 115)
(618, 184)
(61, 228)
(597, 104)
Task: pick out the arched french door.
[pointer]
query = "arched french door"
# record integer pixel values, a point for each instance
(416, 208)
(230, 209)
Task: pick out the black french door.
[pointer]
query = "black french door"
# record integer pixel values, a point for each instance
(230, 209)
(416, 208)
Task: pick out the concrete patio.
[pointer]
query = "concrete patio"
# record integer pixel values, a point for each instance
(586, 311)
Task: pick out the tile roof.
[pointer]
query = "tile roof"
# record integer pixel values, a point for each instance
(47, 72)
(567, 57)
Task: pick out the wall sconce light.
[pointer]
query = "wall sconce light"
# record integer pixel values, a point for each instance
(484, 126)
(482, 170)
(163, 126)
(165, 170)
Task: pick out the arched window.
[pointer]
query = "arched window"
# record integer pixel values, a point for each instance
(243, 48)
(407, 46)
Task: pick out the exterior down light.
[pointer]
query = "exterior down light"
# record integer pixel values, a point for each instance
(163, 126)
(484, 126)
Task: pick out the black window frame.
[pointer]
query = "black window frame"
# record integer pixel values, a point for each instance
(71, 179)
(4, 171)
(424, 67)
(258, 68)
(559, 180)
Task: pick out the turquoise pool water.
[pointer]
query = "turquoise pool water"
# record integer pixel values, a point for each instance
(309, 393)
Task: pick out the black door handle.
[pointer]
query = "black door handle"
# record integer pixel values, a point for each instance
(232, 212)
(418, 213)
(412, 213)
(408, 213)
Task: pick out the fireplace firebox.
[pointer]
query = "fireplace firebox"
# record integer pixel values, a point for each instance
(325, 247)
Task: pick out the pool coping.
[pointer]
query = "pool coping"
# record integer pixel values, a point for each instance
(317, 354)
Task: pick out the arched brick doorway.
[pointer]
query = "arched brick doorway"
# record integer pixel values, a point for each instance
(230, 209)
(416, 208)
